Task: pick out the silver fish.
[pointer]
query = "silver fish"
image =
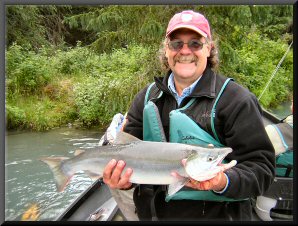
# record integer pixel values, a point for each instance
(152, 162)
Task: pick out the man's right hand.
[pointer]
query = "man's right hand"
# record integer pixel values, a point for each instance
(112, 175)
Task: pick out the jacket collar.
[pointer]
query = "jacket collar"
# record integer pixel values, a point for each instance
(205, 87)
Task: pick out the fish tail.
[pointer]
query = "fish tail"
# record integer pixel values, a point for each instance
(61, 179)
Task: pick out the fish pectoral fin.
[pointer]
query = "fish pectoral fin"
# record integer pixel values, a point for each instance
(124, 138)
(178, 184)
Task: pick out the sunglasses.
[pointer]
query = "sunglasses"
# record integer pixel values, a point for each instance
(193, 45)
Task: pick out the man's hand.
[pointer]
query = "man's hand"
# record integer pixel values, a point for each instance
(112, 175)
(217, 183)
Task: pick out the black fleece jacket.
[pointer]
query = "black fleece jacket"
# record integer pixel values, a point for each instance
(238, 123)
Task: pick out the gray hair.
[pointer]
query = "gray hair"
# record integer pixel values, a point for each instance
(212, 60)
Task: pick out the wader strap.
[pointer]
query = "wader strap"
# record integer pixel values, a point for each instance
(148, 93)
(152, 203)
(188, 104)
(152, 123)
(214, 108)
(152, 206)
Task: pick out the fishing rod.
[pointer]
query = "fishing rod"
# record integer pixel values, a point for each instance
(276, 69)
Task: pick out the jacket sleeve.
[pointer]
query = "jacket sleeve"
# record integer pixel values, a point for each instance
(134, 124)
(243, 130)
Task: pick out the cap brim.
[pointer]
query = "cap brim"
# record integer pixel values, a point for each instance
(188, 27)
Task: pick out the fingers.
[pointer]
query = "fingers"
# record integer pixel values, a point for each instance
(107, 172)
(205, 185)
(112, 175)
(216, 183)
(124, 180)
(117, 172)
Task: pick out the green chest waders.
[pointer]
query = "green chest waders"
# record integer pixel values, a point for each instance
(182, 130)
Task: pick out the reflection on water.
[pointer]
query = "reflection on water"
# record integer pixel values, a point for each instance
(29, 181)
(283, 110)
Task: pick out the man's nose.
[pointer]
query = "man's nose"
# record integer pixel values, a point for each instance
(185, 49)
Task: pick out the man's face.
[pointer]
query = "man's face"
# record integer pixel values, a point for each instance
(186, 64)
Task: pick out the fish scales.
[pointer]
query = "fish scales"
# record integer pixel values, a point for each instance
(152, 162)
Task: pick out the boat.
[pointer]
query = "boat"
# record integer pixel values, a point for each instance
(94, 204)
(99, 203)
(276, 204)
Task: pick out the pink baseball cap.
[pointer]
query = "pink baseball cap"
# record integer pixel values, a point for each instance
(190, 20)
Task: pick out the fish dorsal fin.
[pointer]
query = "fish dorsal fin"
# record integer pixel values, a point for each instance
(78, 152)
(125, 138)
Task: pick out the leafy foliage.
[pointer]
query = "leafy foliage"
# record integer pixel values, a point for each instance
(15, 117)
(256, 67)
(26, 72)
(118, 25)
(98, 85)
(119, 76)
(85, 63)
(23, 26)
(32, 26)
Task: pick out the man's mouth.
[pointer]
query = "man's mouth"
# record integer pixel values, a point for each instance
(185, 60)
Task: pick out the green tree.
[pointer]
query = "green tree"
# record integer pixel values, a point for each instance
(32, 26)
(23, 26)
(118, 25)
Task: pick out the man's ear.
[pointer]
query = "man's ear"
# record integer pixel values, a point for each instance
(166, 53)
(209, 46)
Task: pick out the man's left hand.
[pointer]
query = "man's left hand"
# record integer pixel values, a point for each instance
(217, 183)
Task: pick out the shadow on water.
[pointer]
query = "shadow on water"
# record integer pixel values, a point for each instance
(29, 183)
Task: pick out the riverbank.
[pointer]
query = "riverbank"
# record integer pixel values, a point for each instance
(53, 88)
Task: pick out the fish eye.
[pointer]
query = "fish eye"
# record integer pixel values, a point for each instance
(210, 158)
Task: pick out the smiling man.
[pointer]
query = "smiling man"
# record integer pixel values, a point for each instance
(193, 104)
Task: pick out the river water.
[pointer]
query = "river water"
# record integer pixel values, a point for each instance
(29, 181)
(283, 110)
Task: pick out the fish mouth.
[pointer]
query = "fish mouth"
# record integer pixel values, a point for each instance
(220, 160)
(205, 173)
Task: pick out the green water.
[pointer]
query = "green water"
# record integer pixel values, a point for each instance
(283, 110)
(29, 181)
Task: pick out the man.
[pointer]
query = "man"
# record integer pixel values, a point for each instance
(197, 106)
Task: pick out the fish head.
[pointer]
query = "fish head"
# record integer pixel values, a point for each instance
(202, 164)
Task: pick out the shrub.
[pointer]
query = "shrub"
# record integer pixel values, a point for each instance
(26, 71)
(120, 75)
(256, 63)
(15, 117)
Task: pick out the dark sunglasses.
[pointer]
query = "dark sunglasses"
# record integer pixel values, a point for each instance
(193, 45)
